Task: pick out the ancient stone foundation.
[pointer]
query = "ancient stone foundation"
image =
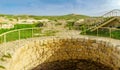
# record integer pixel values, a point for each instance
(66, 53)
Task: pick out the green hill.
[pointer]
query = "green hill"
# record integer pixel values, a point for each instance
(66, 17)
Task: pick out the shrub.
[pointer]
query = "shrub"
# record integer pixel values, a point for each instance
(70, 25)
(39, 24)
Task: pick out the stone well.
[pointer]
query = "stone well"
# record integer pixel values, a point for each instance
(66, 53)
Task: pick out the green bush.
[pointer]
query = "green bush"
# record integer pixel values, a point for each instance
(70, 25)
(39, 24)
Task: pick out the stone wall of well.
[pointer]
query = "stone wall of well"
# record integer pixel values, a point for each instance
(52, 49)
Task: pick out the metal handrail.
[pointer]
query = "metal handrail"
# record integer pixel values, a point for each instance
(19, 36)
(17, 30)
(109, 31)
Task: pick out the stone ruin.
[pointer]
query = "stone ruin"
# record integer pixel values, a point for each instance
(66, 53)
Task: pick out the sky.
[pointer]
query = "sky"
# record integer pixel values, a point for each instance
(58, 7)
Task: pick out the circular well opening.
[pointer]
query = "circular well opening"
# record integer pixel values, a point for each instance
(72, 65)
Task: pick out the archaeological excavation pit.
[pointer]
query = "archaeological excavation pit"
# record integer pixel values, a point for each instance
(66, 54)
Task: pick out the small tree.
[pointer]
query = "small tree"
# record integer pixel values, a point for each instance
(70, 25)
(39, 24)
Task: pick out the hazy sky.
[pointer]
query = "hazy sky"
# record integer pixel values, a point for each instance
(58, 7)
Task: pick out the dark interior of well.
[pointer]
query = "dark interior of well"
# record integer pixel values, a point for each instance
(72, 65)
